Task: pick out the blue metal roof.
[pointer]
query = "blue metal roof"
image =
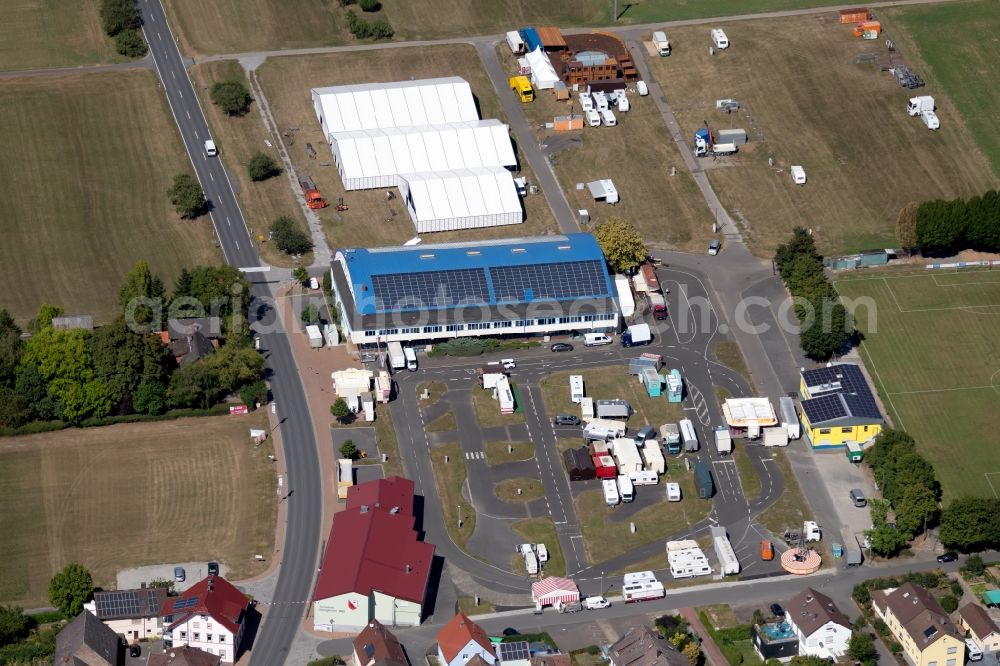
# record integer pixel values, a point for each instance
(545, 268)
(531, 38)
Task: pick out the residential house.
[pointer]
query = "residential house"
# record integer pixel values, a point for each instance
(375, 566)
(982, 629)
(838, 406)
(134, 614)
(461, 641)
(920, 625)
(822, 629)
(514, 653)
(377, 646)
(86, 641)
(642, 646)
(183, 656)
(210, 615)
(191, 339)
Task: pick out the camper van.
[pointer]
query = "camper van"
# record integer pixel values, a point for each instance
(719, 38)
(608, 117)
(673, 492)
(625, 488)
(611, 497)
(603, 429)
(593, 118)
(586, 103)
(576, 393)
(596, 339)
(688, 435)
(600, 101)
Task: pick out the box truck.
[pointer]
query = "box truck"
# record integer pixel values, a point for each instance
(637, 334)
(345, 477)
(703, 478)
(397, 361)
(515, 42)
(723, 440)
(671, 435)
(661, 43)
(411, 358)
(688, 435)
(789, 417)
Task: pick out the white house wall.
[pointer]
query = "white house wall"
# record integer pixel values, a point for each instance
(337, 613)
(394, 612)
(204, 633)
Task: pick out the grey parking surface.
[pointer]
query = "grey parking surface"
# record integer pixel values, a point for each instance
(840, 476)
(129, 579)
(365, 473)
(363, 438)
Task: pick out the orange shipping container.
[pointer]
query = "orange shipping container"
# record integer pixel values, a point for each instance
(867, 26)
(566, 123)
(848, 16)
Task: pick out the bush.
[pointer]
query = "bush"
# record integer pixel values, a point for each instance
(974, 566)
(861, 594)
(593, 650)
(363, 29)
(131, 43)
(261, 167)
(288, 237)
(369, 5)
(956, 588)
(187, 196)
(949, 603)
(732, 654)
(119, 15)
(232, 97)
(881, 627)
(944, 227)
(254, 393)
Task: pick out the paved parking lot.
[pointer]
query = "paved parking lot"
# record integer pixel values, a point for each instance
(129, 579)
(840, 476)
(363, 438)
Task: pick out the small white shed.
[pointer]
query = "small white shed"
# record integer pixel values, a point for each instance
(798, 175)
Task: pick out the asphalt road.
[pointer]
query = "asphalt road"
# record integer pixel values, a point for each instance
(300, 552)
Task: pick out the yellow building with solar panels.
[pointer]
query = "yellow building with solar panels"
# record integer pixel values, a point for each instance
(838, 406)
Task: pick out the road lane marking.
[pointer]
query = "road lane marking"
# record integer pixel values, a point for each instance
(180, 93)
(159, 36)
(188, 113)
(229, 222)
(173, 76)
(236, 243)
(211, 176)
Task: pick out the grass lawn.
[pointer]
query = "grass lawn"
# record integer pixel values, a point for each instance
(651, 563)
(496, 451)
(373, 221)
(435, 391)
(542, 530)
(812, 105)
(385, 437)
(959, 45)
(51, 33)
(607, 383)
(443, 423)
(488, 410)
(605, 538)
(666, 210)
(450, 478)
(107, 148)
(728, 353)
(239, 139)
(468, 606)
(531, 489)
(787, 512)
(131, 495)
(748, 475)
(944, 395)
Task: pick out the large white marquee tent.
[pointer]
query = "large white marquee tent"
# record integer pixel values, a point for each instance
(461, 199)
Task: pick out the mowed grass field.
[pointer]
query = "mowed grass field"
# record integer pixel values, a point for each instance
(805, 101)
(229, 26)
(373, 220)
(960, 42)
(51, 33)
(89, 159)
(637, 155)
(131, 495)
(932, 345)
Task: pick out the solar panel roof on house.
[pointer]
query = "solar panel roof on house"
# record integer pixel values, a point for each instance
(186, 603)
(839, 391)
(514, 651)
(127, 603)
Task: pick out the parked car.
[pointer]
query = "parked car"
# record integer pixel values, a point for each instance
(510, 631)
(213, 568)
(561, 347)
(947, 557)
(179, 574)
(714, 247)
(777, 610)
(566, 419)
(508, 363)
(858, 497)
(134, 650)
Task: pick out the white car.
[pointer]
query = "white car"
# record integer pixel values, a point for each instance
(313, 283)
(508, 363)
(594, 603)
(542, 551)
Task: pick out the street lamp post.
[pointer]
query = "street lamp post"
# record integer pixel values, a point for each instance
(602, 585)
(460, 515)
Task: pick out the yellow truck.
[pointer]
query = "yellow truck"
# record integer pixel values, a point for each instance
(522, 86)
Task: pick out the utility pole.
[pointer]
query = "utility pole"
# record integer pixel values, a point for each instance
(459, 515)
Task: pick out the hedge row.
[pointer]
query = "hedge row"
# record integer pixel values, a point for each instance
(944, 227)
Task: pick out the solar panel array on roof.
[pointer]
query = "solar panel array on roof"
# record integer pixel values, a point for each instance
(514, 651)
(825, 408)
(124, 603)
(414, 291)
(560, 281)
(181, 604)
(843, 379)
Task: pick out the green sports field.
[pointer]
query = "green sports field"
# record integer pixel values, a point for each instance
(932, 345)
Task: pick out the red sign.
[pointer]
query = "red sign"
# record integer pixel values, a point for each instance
(239, 409)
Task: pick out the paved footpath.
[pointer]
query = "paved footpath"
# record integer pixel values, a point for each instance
(708, 646)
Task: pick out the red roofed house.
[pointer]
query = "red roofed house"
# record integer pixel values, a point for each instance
(462, 640)
(374, 567)
(209, 616)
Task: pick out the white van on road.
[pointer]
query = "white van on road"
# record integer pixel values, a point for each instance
(210, 148)
(596, 339)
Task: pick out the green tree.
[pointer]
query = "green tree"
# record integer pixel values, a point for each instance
(949, 603)
(262, 167)
(150, 397)
(46, 313)
(339, 410)
(381, 29)
(974, 565)
(142, 298)
(182, 287)
(369, 5)
(131, 43)
(64, 360)
(862, 648)
(123, 360)
(186, 196)
(692, 652)
(348, 449)
(906, 226)
(119, 15)
(940, 226)
(801, 243)
(14, 412)
(33, 391)
(886, 541)
(232, 97)
(234, 367)
(622, 245)
(222, 291)
(300, 275)
(809, 660)
(11, 348)
(70, 589)
(254, 393)
(14, 625)
(310, 314)
(971, 523)
(194, 385)
(288, 237)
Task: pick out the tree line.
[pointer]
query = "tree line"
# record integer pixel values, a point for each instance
(941, 227)
(79, 377)
(825, 326)
(120, 20)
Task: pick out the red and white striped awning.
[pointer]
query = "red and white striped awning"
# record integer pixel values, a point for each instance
(552, 590)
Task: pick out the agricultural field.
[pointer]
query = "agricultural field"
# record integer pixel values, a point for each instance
(637, 155)
(805, 100)
(38, 34)
(89, 161)
(230, 26)
(959, 43)
(240, 138)
(169, 491)
(373, 220)
(932, 347)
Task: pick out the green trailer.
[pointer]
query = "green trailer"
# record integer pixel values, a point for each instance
(854, 452)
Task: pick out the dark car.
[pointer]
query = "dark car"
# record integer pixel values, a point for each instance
(947, 557)
(213, 568)
(510, 631)
(777, 610)
(566, 419)
(134, 650)
(561, 347)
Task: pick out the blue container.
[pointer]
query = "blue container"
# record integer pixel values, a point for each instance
(531, 39)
